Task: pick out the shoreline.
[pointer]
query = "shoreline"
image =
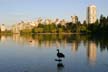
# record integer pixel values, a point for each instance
(42, 34)
(53, 33)
(57, 33)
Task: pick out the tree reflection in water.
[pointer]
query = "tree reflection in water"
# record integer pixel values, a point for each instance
(90, 42)
(48, 40)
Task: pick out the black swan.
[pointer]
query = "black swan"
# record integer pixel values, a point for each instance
(60, 55)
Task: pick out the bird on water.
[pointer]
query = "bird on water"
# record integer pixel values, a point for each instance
(60, 55)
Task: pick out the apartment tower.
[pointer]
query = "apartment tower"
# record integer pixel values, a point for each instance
(91, 14)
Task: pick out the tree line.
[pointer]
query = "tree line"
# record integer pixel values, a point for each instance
(100, 26)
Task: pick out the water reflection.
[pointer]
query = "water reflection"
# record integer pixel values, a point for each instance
(58, 40)
(91, 52)
(74, 47)
(4, 38)
(85, 48)
(60, 65)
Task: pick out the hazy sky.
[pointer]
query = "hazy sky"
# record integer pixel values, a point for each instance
(13, 11)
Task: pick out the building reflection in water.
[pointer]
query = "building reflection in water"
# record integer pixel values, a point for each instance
(21, 40)
(48, 44)
(64, 43)
(91, 51)
(3, 38)
(18, 39)
(74, 47)
(38, 41)
(57, 44)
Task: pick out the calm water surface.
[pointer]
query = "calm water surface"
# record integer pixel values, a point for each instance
(38, 53)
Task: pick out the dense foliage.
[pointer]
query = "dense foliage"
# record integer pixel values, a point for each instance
(100, 26)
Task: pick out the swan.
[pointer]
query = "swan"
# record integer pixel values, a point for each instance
(60, 55)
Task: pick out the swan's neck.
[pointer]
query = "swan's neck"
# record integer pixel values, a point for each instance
(58, 51)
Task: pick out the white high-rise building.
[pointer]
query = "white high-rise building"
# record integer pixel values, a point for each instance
(74, 19)
(47, 21)
(63, 22)
(3, 28)
(57, 21)
(91, 14)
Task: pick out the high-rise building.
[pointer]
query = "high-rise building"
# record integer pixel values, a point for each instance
(3, 28)
(91, 14)
(40, 20)
(48, 21)
(63, 22)
(57, 21)
(74, 19)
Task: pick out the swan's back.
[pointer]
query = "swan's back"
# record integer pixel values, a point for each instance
(60, 55)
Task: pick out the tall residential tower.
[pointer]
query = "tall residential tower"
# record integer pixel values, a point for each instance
(74, 19)
(91, 14)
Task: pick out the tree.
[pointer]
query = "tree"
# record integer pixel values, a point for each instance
(0, 30)
(60, 30)
(84, 22)
(83, 29)
(101, 19)
(26, 31)
(78, 27)
(97, 22)
(53, 28)
(107, 19)
(47, 28)
(68, 27)
(40, 30)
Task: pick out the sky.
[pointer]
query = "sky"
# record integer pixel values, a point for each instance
(14, 11)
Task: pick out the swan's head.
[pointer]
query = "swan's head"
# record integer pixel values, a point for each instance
(57, 49)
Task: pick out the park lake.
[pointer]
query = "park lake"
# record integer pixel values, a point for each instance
(38, 53)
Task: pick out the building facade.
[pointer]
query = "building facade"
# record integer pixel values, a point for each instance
(91, 14)
(3, 28)
(74, 19)
(57, 21)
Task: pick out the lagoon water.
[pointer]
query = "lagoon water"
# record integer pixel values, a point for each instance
(38, 53)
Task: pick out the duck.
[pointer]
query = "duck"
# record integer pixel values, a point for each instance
(60, 55)
(30, 41)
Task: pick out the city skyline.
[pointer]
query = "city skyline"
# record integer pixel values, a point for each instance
(14, 11)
